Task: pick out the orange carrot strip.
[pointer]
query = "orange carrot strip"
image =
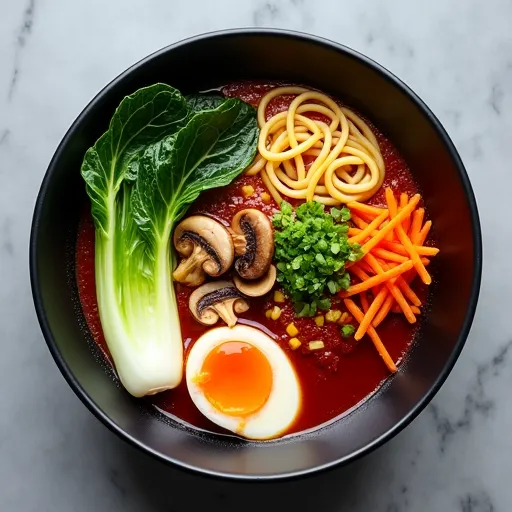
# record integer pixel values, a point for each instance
(368, 246)
(362, 265)
(366, 216)
(359, 272)
(392, 264)
(366, 232)
(400, 249)
(403, 202)
(408, 292)
(418, 265)
(354, 231)
(377, 280)
(417, 220)
(364, 301)
(366, 208)
(406, 242)
(397, 294)
(423, 235)
(403, 281)
(370, 314)
(384, 310)
(358, 221)
(391, 235)
(381, 349)
(389, 255)
(416, 310)
(409, 276)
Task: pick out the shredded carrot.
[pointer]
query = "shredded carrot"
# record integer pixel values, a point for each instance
(408, 292)
(400, 249)
(368, 246)
(364, 265)
(366, 208)
(390, 237)
(420, 268)
(403, 202)
(392, 241)
(417, 220)
(396, 247)
(397, 294)
(389, 255)
(381, 349)
(366, 231)
(424, 233)
(384, 310)
(409, 247)
(370, 314)
(378, 280)
(358, 221)
(364, 301)
(359, 272)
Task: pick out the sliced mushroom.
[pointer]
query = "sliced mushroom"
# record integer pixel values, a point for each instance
(207, 248)
(217, 299)
(253, 239)
(257, 287)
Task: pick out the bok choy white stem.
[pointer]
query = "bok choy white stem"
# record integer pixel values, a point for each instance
(159, 153)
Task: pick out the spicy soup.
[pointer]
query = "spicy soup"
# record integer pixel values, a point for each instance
(333, 380)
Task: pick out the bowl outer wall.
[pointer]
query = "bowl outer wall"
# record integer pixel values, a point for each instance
(208, 61)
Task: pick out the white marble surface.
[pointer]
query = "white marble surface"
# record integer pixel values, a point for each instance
(55, 55)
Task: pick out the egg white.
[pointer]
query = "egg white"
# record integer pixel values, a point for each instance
(284, 401)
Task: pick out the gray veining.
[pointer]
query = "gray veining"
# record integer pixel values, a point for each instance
(21, 40)
(54, 56)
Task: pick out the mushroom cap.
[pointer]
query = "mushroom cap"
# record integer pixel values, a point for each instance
(257, 287)
(255, 256)
(209, 246)
(217, 299)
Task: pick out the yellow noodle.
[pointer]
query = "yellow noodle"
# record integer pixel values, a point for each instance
(273, 192)
(347, 162)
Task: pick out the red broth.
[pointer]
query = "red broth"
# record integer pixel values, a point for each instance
(335, 379)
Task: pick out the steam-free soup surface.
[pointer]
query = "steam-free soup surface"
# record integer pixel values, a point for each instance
(333, 380)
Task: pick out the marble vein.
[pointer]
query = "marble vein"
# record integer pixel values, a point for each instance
(476, 402)
(266, 14)
(476, 502)
(4, 137)
(496, 98)
(23, 34)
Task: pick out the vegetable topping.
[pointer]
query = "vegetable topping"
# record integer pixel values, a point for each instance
(312, 248)
(217, 299)
(157, 156)
(207, 247)
(254, 243)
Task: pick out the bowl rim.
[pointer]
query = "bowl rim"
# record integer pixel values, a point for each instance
(477, 255)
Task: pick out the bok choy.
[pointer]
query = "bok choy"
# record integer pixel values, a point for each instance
(159, 154)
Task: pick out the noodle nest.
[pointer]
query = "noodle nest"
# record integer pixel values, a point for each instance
(343, 160)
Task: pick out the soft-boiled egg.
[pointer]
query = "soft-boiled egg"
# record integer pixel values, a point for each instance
(241, 379)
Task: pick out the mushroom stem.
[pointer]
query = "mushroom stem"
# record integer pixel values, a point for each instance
(187, 269)
(240, 244)
(225, 311)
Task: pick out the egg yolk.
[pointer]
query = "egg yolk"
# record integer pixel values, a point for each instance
(236, 378)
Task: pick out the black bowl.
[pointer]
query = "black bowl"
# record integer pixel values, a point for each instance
(209, 61)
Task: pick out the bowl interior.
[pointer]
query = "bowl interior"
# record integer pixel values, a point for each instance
(207, 62)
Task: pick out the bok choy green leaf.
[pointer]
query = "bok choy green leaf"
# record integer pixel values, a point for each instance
(141, 177)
